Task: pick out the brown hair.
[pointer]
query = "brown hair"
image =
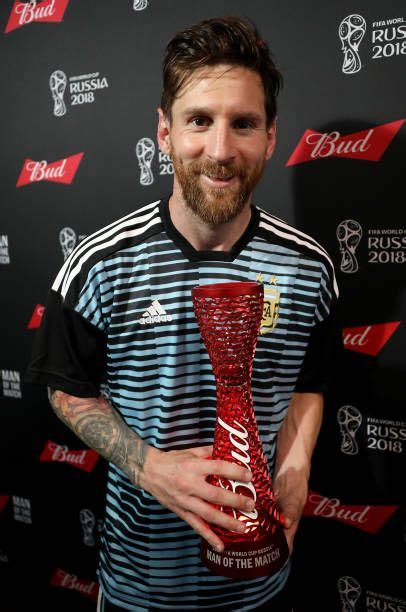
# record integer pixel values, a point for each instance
(222, 40)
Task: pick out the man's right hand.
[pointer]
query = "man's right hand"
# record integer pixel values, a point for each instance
(177, 479)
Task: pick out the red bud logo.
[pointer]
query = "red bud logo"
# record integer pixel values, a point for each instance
(88, 588)
(24, 13)
(369, 339)
(81, 459)
(367, 518)
(36, 318)
(61, 171)
(368, 144)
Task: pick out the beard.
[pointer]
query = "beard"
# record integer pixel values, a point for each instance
(212, 205)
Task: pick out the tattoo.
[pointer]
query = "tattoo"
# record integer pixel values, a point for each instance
(97, 424)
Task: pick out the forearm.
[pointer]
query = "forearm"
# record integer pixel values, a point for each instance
(298, 433)
(99, 426)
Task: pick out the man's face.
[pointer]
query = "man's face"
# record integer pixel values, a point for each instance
(218, 141)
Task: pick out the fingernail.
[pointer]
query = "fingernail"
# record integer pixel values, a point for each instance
(218, 549)
(250, 505)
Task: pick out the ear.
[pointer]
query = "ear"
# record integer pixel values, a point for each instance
(163, 132)
(271, 138)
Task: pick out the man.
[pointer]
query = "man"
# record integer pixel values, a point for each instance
(120, 313)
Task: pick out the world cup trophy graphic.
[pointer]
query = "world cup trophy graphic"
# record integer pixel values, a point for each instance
(67, 240)
(140, 5)
(349, 419)
(145, 151)
(350, 591)
(88, 521)
(351, 31)
(57, 84)
(349, 234)
(229, 318)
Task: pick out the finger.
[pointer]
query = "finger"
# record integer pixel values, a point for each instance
(222, 497)
(203, 529)
(227, 470)
(211, 515)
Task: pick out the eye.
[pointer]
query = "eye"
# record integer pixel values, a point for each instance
(200, 121)
(244, 124)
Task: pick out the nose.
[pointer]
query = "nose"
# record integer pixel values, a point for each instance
(220, 144)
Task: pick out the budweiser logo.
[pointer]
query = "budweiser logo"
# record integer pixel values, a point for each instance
(61, 171)
(89, 588)
(367, 518)
(238, 437)
(3, 501)
(23, 13)
(367, 144)
(369, 339)
(36, 318)
(82, 459)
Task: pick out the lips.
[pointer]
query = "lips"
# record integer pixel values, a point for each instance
(219, 178)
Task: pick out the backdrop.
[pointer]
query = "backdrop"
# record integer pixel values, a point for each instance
(81, 84)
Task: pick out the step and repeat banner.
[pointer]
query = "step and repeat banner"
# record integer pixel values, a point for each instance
(81, 85)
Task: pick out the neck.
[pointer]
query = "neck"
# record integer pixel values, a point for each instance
(204, 237)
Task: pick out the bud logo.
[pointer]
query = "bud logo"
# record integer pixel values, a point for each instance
(61, 171)
(3, 501)
(369, 339)
(88, 588)
(82, 459)
(36, 318)
(23, 13)
(367, 518)
(368, 144)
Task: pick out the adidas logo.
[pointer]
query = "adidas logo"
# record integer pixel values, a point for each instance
(155, 314)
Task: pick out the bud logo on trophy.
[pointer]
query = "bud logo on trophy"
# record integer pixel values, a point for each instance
(229, 317)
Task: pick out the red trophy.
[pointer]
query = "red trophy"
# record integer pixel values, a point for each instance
(229, 317)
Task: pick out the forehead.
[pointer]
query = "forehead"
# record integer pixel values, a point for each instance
(235, 85)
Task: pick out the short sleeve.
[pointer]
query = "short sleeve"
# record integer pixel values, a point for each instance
(325, 344)
(69, 353)
(323, 351)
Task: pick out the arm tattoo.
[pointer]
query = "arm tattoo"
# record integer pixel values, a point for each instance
(97, 424)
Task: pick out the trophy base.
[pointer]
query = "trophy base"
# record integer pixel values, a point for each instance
(247, 559)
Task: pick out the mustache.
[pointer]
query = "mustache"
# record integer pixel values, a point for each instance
(221, 171)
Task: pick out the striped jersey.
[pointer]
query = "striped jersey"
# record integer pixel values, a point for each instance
(119, 320)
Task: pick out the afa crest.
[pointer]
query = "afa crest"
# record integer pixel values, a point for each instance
(270, 313)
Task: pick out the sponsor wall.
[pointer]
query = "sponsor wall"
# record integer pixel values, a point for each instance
(79, 150)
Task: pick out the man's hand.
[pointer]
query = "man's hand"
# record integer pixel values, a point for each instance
(177, 479)
(296, 441)
(291, 493)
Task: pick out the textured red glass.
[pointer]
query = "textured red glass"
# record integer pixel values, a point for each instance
(229, 317)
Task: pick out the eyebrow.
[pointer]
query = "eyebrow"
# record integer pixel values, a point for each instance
(204, 111)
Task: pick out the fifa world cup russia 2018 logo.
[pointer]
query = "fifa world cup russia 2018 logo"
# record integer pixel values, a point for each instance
(349, 420)
(140, 5)
(145, 151)
(350, 591)
(349, 234)
(351, 31)
(57, 84)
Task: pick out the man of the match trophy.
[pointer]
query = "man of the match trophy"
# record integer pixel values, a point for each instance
(229, 317)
